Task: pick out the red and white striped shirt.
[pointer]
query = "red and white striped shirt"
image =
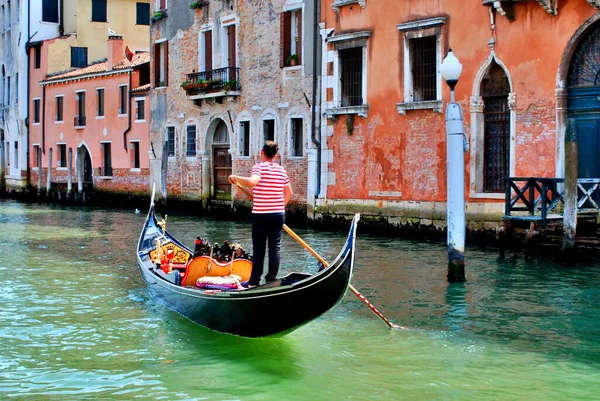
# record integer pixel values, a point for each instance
(268, 193)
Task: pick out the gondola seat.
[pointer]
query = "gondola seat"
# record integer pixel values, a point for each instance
(202, 266)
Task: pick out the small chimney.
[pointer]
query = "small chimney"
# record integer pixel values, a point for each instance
(115, 51)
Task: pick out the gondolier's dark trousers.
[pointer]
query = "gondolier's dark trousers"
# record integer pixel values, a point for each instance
(266, 227)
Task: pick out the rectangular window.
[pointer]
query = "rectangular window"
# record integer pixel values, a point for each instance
(38, 56)
(79, 56)
(7, 153)
(191, 141)
(100, 105)
(7, 91)
(80, 118)
(161, 4)
(269, 130)
(142, 13)
(16, 154)
(244, 138)
(3, 18)
(423, 56)
(17, 88)
(171, 141)
(161, 64)
(297, 138)
(231, 48)
(139, 109)
(290, 38)
(59, 108)
(208, 50)
(36, 156)
(106, 160)
(36, 111)
(62, 155)
(50, 11)
(351, 62)
(135, 154)
(98, 10)
(123, 99)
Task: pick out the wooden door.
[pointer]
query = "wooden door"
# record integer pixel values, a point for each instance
(222, 170)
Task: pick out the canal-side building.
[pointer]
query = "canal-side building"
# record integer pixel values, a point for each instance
(24, 26)
(90, 126)
(527, 66)
(226, 76)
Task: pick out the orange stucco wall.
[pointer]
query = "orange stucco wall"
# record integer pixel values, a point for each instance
(391, 152)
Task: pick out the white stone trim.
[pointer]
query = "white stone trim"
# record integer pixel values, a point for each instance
(337, 4)
(292, 5)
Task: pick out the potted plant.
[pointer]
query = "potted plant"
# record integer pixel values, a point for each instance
(200, 84)
(158, 15)
(186, 85)
(196, 4)
(231, 85)
(292, 59)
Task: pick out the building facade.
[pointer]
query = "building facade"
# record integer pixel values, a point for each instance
(527, 66)
(25, 26)
(228, 75)
(89, 126)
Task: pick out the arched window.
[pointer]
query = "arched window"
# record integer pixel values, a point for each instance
(496, 148)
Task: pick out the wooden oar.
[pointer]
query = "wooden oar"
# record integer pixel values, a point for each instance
(324, 262)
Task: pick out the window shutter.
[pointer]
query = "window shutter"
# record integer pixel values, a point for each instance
(285, 37)
(208, 50)
(166, 63)
(156, 65)
(162, 4)
(299, 43)
(231, 45)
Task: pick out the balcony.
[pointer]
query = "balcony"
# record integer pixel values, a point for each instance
(79, 122)
(213, 86)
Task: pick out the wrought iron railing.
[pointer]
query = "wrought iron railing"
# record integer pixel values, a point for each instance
(221, 79)
(79, 121)
(541, 196)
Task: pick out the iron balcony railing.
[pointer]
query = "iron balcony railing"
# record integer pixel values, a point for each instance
(221, 79)
(80, 121)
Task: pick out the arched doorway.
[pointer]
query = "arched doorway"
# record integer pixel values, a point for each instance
(221, 162)
(583, 101)
(85, 176)
(495, 89)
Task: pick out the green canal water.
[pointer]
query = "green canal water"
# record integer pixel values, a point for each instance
(76, 322)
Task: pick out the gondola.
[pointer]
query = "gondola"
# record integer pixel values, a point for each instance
(272, 309)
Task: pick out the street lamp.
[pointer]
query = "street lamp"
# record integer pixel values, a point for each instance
(456, 222)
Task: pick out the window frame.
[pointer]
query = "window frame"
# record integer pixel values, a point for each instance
(123, 109)
(137, 101)
(161, 63)
(343, 42)
(103, 12)
(35, 151)
(37, 57)
(292, 15)
(134, 147)
(189, 152)
(291, 140)
(266, 118)
(106, 166)
(100, 103)
(55, 12)
(415, 30)
(61, 150)
(139, 12)
(167, 139)
(59, 109)
(74, 50)
(37, 104)
(246, 139)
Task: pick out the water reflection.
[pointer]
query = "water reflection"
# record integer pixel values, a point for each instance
(76, 321)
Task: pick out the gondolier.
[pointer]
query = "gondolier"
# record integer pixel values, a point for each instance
(271, 193)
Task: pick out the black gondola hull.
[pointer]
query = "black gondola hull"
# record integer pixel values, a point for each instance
(262, 311)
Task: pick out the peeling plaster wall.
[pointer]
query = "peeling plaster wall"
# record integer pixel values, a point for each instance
(390, 158)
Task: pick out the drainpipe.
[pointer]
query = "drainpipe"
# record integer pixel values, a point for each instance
(28, 79)
(61, 19)
(44, 119)
(128, 118)
(314, 138)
